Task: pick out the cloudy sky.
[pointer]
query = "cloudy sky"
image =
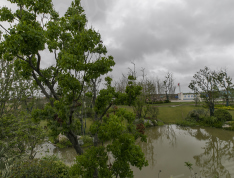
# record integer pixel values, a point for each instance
(179, 36)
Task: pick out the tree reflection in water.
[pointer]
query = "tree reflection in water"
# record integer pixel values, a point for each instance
(218, 152)
(160, 133)
(168, 147)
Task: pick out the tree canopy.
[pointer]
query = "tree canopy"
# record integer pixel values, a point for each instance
(80, 58)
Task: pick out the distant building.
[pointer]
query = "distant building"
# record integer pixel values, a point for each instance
(188, 96)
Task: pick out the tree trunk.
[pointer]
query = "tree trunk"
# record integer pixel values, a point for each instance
(167, 96)
(227, 102)
(73, 139)
(211, 109)
(95, 174)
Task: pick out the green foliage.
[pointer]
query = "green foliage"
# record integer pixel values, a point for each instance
(132, 90)
(223, 115)
(141, 109)
(104, 99)
(189, 165)
(6, 14)
(121, 99)
(226, 85)
(122, 137)
(167, 101)
(224, 107)
(89, 112)
(147, 124)
(40, 168)
(211, 120)
(138, 107)
(7, 160)
(185, 123)
(153, 112)
(205, 81)
(197, 115)
(64, 144)
(21, 134)
(63, 83)
(85, 165)
(87, 140)
(160, 123)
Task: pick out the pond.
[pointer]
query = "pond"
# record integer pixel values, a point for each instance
(210, 150)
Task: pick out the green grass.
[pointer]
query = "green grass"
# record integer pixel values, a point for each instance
(170, 114)
(89, 121)
(232, 113)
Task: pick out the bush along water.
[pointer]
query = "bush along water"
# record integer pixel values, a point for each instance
(223, 115)
(201, 117)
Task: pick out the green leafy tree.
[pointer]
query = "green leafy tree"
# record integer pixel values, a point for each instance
(20, 134)
(63, 83)
(122, 148)
(95, 161)
(73, 46)
(205, 82)
(132, 90)
(225, 84)
(6, 84)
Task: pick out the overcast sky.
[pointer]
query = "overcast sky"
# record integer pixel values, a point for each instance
(179, 36)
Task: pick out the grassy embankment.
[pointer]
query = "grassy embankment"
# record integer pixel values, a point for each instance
(171, 113)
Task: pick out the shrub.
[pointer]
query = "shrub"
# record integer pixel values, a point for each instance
(153, 112)
(138, 107)
(211, 120)
(36, 168)
(167, 101)
(197, 114)
(147, 124)
(185, 123)
(87, 140)
(160, 123)
(64, 144)
(223, 115)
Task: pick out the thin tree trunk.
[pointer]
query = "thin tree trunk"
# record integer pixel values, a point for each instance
(95, 174)
(211, 109)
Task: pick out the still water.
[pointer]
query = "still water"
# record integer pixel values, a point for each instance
(210, 150)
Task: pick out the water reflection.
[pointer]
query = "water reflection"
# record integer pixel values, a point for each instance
(210, 150)
(218, 152)
(66, 154)
(217, 158)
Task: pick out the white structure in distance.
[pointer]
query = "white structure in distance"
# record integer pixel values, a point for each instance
(188, 96)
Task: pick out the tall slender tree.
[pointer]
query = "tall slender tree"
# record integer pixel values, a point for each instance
(225, 84)
(205, 82)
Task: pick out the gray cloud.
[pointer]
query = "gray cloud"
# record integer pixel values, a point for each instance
(180, 36)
